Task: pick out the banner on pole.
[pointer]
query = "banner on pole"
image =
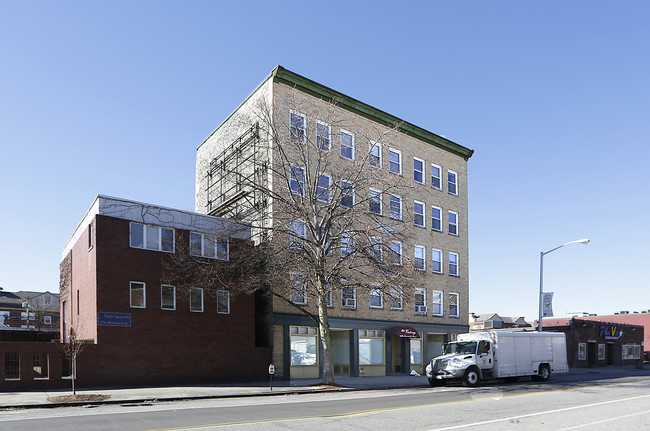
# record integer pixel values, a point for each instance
(547, 304)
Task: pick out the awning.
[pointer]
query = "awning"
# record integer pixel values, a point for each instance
(404, 332)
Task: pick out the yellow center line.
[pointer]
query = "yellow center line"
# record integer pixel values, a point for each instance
(387, 409)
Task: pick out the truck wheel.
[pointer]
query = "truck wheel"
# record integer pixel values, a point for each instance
(471, 377)
(544, 373)
(436, 382)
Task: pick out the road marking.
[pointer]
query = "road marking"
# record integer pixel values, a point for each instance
(606, 420)
(541, 413)
(364, 412)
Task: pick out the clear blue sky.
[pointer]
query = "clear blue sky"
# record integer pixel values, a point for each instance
(114, 97)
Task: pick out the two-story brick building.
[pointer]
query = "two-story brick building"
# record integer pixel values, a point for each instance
(372, 333)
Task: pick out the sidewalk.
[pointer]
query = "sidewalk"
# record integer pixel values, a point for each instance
(123, 395)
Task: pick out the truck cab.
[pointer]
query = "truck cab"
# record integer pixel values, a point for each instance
(462, 360)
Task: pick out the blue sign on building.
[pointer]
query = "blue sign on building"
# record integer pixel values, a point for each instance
(114, 319)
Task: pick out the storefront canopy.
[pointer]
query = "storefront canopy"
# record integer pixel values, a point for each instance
(404, 332)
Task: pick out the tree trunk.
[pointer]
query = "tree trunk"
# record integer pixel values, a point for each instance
(326, 342)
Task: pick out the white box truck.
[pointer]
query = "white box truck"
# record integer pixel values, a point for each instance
(499, 355)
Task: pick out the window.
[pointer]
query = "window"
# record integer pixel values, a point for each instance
(436, 261)
(196, 299)
(420, 300)
(47, 320)
(453, 264)
(329, 297)
(323, 188)
(396, 252)
(436, 218)
(418, 170)
(453, 223)
(374, 154)
(167, 297)
(27, 316)
(375, 203)
(418, 214)
(298, 294)
(304, 345)
(152, 237)
(347, 194)
(12, 366)
(347, 145)
(297, 180)
(138, 295)
(371, 347)
(452, 183)
(325, 238)
(395, 161)
(323, 136)
(582, 351)
(376, 298)
(396, 298)
(223, 302)
(395, 207)
(209, 246)
(631, 351)
(601, 352)
(437, 303)
(420, 253)
(347, 245)
(297, 127)
(436, 182)
(298, 234)
(41, 366)
(349, 297)
(416, 350)
(91, 236)
(453, 305)
(376, 249)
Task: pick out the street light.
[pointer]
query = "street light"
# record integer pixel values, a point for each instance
(541, 275)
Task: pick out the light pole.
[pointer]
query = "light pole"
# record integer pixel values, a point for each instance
(541, 275)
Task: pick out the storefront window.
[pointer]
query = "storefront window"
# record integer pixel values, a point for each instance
(304, 345)
(601, 352)
(631, 351)
(371, 347)
(582, 351)
(416, 351)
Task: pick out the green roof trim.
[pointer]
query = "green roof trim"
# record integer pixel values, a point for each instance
(305, 85)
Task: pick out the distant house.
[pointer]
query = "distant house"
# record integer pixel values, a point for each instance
(29, 311)
(485, 322)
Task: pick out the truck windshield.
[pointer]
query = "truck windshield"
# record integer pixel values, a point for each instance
(462, 348)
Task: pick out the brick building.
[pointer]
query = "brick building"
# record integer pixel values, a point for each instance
(37, 311)
(139, 330)
(371, 336)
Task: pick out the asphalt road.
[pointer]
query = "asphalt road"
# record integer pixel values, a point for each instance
(561, 404)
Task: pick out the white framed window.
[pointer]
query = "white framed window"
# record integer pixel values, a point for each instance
(303, 346)
(396, 298)
(223, 302)
(298, 294)
(298, 234)
(436, 180)
(420, 300)
(601, 352)
(395, 207)
(376, 249)
(347, 194)
(453, 264)
(151, 237)
(375, 202)
(453, 304)
(297, 127)
(420, 252)
(323, 188)
(374, 154)
(91, 236)
(347, 245)
(323, 136)
(396, 253)
(349, 297)
(453, 223)
(452, 183)
(418, 170)
(376, 298)
(138, 294)
(196, 299)
(436, 261)
(329, 297)
(209, 246)
(437, 303)
(27, 316)
(297, 180)
(436, 218)
(167, 297)
(582, 351)
(395, 161)
(347, 145)
(47, 320)
(418, 214)
(631, 351)
(371, 347)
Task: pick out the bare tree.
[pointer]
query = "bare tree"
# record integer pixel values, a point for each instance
(72, 347)
(325, 224)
